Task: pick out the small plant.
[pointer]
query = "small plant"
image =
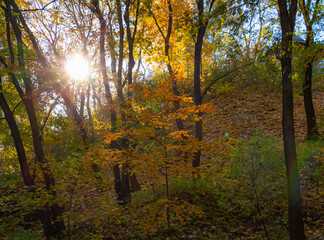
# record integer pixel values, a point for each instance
(258, 168)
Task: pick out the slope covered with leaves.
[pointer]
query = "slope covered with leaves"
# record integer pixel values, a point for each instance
(241, 109)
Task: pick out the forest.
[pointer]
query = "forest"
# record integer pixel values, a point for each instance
(161, 119)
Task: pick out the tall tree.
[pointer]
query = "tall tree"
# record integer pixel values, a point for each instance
(131, 62)
(113, 115)
(63, 90)
(16, 135)
(309, 18)
(24, 166)
(203, 18)
(287, 15)
(126, 190)
(166, 37)
(130, 40)
(27, 97)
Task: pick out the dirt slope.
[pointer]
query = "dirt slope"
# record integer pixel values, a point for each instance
(247, 108)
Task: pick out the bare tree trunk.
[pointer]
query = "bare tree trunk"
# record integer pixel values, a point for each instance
(126, 190)
(135, 186)
(24, 167)
(197, 82)
(88, 104)
(28, 181)
(95, 8)
(312, 132)
(166, 38)
(27, 99)
(130, 40)
(295, 217)
(82, 104)
(203, 18)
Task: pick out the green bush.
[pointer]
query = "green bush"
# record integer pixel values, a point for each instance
(258, 169)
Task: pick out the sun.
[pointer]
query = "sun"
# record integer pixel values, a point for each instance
(77, 67)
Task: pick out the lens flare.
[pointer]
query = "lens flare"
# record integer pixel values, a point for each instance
(225, 134)
(77, 67)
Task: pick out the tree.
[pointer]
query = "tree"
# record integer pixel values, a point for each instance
(27, 98)
(48, 72)
(130, 40)
(312, 131)
(287, 15)
(166, 37)
(131, 63)
(113, 115)
(155, 124)
(203, 18)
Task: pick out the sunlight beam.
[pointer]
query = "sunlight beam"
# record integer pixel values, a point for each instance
(77, 67)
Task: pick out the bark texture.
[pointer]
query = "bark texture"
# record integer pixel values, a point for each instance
(312, 131)
(295, 218)
(27, 98)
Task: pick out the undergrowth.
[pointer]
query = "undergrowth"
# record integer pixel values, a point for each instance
(247, 202)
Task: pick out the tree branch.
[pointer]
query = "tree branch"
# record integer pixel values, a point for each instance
(208, 87)
(32, 38)
(13, 111)
(136, 19)
(48, 115)
(157, 24)
(13, 78)
(35, 9)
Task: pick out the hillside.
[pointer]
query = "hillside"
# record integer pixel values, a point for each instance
(244, 109)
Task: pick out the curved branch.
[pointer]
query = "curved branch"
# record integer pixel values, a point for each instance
(48, 115)
(212, 83)
(157, 24)
(36, 9)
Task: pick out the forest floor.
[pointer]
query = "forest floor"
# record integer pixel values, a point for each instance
(230, 204)
(245, 201)
(244, 109)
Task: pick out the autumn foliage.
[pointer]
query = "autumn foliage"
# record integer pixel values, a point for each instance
(175, 132)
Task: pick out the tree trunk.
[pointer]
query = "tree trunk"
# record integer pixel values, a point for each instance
(197, 82)
(28, 181)
(130, 41)
(295, 218)
(126, 190)
(119, 188)
(88, 106)
(166, 38)
(27, 99)
(24, 168)
(132, 180)
(82, 104)
(296, 225)
(312, 132)
(176, 102)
